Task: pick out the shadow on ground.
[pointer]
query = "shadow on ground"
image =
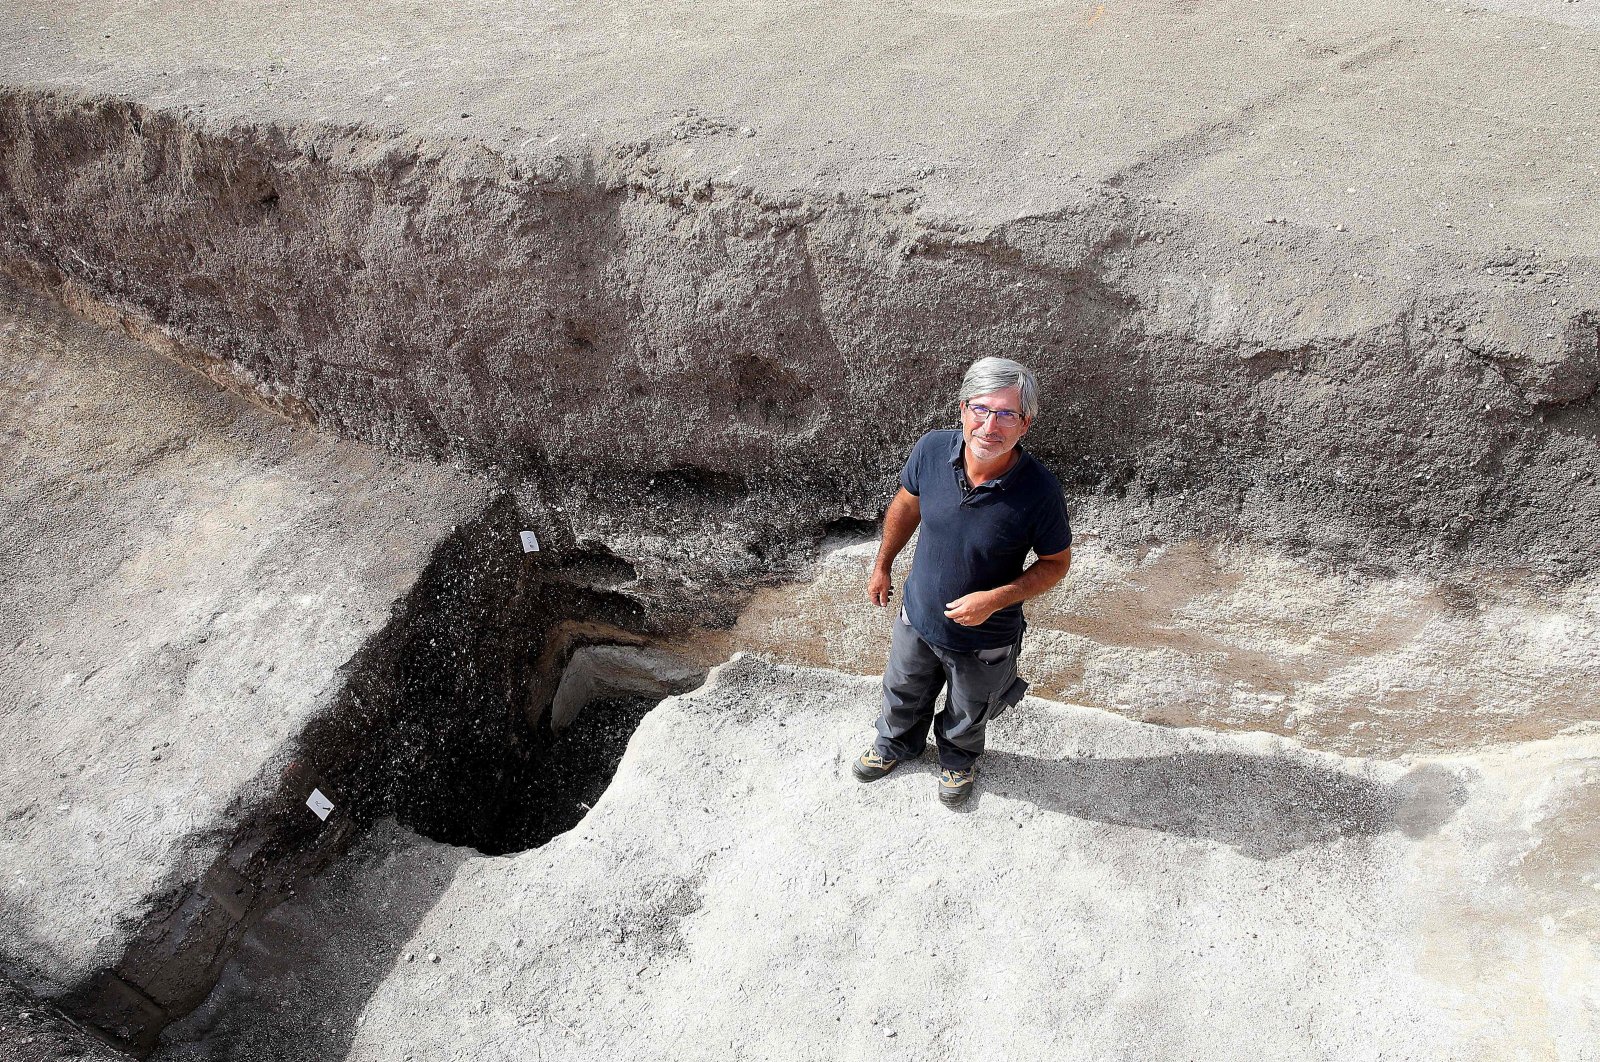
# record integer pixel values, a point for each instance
(1264, 807)
(334, 946)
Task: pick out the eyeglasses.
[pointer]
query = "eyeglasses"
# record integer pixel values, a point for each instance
(1005, 418)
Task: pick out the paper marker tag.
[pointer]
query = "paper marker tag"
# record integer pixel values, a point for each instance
(530, 542)
(319, 804)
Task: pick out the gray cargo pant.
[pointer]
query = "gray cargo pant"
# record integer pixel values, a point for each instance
(982, 685)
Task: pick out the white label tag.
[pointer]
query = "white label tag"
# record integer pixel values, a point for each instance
(530, 542)
(319, 804)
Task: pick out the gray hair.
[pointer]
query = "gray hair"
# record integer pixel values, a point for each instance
(987, 375)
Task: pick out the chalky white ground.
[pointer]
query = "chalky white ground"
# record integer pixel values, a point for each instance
(1114, 890)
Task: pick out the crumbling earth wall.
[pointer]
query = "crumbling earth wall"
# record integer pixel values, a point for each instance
(597, 320)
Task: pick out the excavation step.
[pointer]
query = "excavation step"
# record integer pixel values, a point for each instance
(192, 591)
(610, 670)
(1242, 636)
(1114, 890)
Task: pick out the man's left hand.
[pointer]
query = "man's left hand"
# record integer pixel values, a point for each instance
(971, 609)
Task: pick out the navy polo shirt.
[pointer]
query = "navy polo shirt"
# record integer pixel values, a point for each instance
(976, 539)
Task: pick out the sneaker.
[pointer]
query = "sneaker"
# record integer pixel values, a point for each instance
(955, 786)
(870, 766)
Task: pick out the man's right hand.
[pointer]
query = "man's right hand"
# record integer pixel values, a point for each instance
(899, 523)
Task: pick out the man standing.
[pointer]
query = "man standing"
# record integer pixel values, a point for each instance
(983, 503)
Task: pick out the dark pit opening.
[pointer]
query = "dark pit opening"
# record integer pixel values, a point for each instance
(538, 786)
(550, 790)
(467, 753)
(851, 528)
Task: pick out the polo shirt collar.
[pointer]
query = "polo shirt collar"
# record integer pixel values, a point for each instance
(958, 447)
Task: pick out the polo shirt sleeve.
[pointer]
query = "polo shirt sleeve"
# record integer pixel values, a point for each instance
(1052, 532)
(911, 474)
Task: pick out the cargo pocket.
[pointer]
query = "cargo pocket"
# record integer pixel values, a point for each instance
(1006, 698)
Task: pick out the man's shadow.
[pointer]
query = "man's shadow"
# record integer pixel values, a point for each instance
(1264, 807)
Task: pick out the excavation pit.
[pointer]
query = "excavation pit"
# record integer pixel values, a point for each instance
(550, 791)
(683, 283)
(496, 743)
(257, 613)
(508, 774)
(472, 756)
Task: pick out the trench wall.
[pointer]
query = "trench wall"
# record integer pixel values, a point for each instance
(596, 322)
